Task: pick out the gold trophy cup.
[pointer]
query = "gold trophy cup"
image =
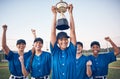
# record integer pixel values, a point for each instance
(62, 23)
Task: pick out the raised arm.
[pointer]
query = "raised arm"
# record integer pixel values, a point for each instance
(4, 45)
(72, 25)
(34, 33)
(88, 68)
(24, 71)
(53, 28)
(115, 48)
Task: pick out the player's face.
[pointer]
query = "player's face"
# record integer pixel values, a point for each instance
(21, 46)
(38, 45)
(79, 48)
(95, 49)
(63, 43)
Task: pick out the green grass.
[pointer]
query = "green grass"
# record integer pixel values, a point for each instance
(4, 73)
(3, 64)
(116, 64)
(112, 74)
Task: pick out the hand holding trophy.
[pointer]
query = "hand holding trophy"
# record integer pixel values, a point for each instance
(62, 23)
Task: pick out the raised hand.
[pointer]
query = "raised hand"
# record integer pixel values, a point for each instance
(70, 8)
(33, 31)
(89, 63)
(54, 9)
(21, 59)
(107, 39)
(4, 27)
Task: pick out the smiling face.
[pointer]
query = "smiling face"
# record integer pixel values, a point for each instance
(79, 48)
(95, 49)
(38, 45)
(21, 47)
(63, 43)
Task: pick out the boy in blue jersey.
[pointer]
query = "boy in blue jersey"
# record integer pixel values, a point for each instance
(39, 64)
(63, 55)
(83, 66)
(13, 57)
(102, 61)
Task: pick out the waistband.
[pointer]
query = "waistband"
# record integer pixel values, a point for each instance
(100, 77)
(45, 77)
(17, 77)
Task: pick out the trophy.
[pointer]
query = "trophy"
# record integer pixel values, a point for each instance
(62, 23)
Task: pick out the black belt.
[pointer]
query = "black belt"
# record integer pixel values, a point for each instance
(42, 77)
(104, 77)
(17, 77)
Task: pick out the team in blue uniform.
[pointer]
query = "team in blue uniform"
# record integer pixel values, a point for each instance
(13, 57)
(63, 55)
(102, 61)
(83, 69)
(39, 64)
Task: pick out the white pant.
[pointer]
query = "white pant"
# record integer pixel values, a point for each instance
(13, 77)
(41, 77)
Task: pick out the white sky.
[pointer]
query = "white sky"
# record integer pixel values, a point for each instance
(94, 20)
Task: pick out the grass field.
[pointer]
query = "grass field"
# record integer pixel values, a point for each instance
(113, 72)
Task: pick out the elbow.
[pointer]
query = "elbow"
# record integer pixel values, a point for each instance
(89, 74)
(3, 46)
(117, 51)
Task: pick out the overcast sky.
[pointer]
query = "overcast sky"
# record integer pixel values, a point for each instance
(94, 20)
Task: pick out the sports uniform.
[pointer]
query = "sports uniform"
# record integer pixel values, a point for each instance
(15, 65)
(63, 62)
(101, 63)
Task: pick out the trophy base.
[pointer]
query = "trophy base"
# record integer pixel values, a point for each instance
(62, 24)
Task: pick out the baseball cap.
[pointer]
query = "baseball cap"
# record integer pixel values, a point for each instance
(21, 41)
(38, 39)
(95, 43)
(80, 43)
(61, 35)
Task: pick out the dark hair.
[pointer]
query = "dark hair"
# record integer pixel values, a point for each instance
(80, 43)
(21, 41)
(38, 39)
(61, 35)
(31, 60)
(95, 43)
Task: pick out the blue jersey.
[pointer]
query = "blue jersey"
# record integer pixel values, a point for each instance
(41, 65)
(14, 63)
(81, 68)
(63, 62)
(101, 63)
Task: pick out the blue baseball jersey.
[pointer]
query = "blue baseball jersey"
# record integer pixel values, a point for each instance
(101, 63)
(41, 65)
(63, 62)
(14, 63)
(81, 67)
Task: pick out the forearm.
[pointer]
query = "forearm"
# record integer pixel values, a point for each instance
(115, 48)
(89, 71)
(72, 29)
(4, 39)
(53, 29)
(4, 45)
(24, 71)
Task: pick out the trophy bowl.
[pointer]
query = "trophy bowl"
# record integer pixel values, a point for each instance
(62, 7)
(62, 23)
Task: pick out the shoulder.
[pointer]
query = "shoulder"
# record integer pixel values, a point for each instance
(45, 52)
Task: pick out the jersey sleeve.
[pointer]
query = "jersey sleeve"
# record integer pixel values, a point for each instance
(9, 56)
(110, 57)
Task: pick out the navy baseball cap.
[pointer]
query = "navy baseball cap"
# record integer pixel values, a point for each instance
(38, 39)
(80, 43)
(95, 43)
(21, 41)
(61, 35)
